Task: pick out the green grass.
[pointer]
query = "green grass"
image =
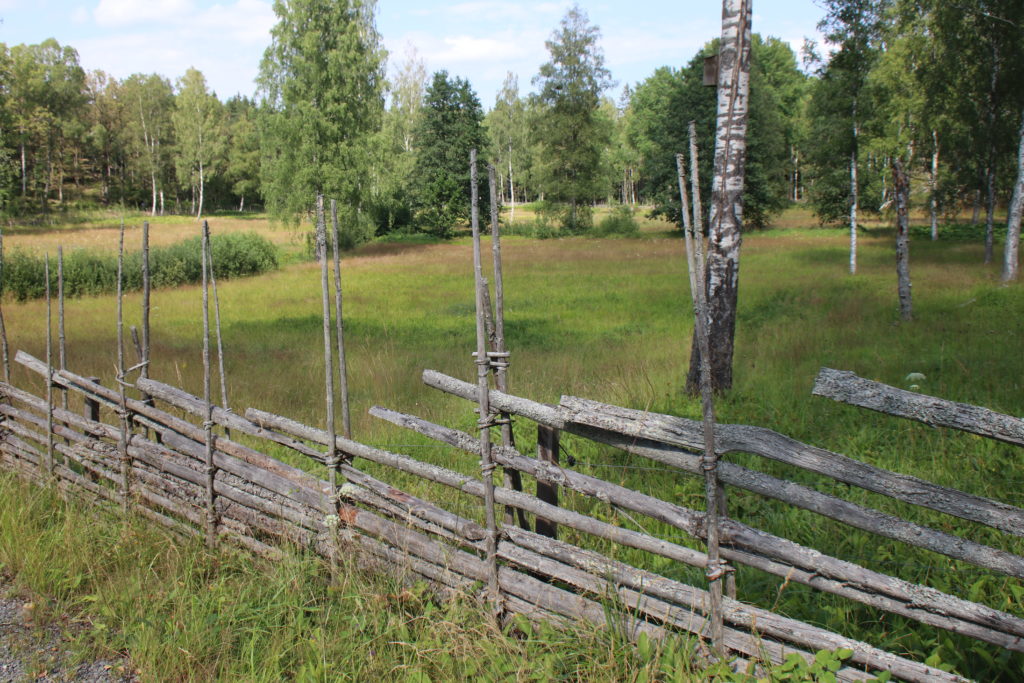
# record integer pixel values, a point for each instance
(611, 320)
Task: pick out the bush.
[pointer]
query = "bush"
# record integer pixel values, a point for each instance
(619, 222)
(91, 272)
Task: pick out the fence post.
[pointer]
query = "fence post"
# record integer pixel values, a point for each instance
(483, 364)
(547, 451)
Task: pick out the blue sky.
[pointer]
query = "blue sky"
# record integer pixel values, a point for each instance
(479, 40)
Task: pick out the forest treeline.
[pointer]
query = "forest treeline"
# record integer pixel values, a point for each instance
(935, 84)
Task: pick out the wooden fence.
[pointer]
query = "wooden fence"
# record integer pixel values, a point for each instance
(261, 502)
(203, 470)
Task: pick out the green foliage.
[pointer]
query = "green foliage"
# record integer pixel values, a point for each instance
(567, 127)
(620, 221)
(451, 126)
(321, 83)
(89, 272)
(198, 121)
(659, 132)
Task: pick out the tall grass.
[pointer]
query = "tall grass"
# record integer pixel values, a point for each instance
(95, 272)
(183, 614)
(611, 320)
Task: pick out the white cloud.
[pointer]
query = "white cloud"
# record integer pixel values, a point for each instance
(224, 41)
(112, 13)
(80, 15)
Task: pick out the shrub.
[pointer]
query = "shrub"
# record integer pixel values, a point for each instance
(92, 272)
(619, 222)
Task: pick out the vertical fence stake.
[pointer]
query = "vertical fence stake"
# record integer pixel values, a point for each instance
(211, 510)
(331, 457)
(220, 340)
(346, 419)
(3, 326)
(716, 569)
(122, 441)
(547, 451)
(144, 356)
(500, 363)
(483, 398)
(698, 230)
(49, 371)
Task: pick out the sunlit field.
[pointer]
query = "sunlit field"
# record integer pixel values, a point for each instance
(610, 319)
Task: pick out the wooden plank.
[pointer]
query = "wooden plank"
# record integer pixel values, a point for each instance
(847, 387)
(686, 434)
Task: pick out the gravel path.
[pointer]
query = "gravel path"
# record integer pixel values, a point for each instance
(29, 653)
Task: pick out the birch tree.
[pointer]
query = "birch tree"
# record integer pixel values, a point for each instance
(1012, 249)
(321, 82)
(725, 221)
(198, 121)
(568, 127)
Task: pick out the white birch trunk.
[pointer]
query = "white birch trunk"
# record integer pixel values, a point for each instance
(933, 182)
(725, 221)
(511, 187)
(199, 211)
(854, 196)
(1011, 251)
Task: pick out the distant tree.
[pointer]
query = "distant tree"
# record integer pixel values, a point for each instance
(198, 121)
(321, 83)
(150, 101)
(663, 105)
(47, 100)
(452, 125)
(971, 76)
(394, 166)
(243, 153)
(841, 104)
(568, 128)
(508, 130)
(107, 134)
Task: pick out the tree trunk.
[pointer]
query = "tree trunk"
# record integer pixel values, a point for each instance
(511, 188)
(1011, 251)
(854, 195)
(241, 204)
(933, 182)
(199, 212)
(24, 173)
(990, 176)
(152, 180)
(901, 191)
(990, 207)
(726, 216)
(161, 202)
(976, 207)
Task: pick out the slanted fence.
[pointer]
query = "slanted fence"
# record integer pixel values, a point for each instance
(204, 471)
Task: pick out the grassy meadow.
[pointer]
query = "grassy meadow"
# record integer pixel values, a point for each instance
(607, 319)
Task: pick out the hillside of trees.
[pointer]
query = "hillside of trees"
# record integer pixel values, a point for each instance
(932, 84)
